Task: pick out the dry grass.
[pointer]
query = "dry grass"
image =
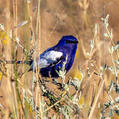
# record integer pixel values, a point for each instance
(90, 90)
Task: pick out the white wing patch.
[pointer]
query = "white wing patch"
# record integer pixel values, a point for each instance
(43, 63)
(49, 58)
(53, 55)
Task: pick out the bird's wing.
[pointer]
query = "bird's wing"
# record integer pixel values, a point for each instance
(50, 58)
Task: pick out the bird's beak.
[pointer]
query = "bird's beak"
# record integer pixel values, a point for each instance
(76, 42)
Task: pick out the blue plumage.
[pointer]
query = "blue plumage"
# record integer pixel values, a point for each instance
(52, 59)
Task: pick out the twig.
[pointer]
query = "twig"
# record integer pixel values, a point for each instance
(96, 100)
(56, 102)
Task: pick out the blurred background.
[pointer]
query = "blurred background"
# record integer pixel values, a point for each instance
(56, 18)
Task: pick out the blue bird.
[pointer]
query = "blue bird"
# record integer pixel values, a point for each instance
(51, 60)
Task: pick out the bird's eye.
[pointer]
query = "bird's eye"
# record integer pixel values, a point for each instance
(69, 41)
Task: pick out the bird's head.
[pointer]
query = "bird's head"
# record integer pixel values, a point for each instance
(68, 41)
